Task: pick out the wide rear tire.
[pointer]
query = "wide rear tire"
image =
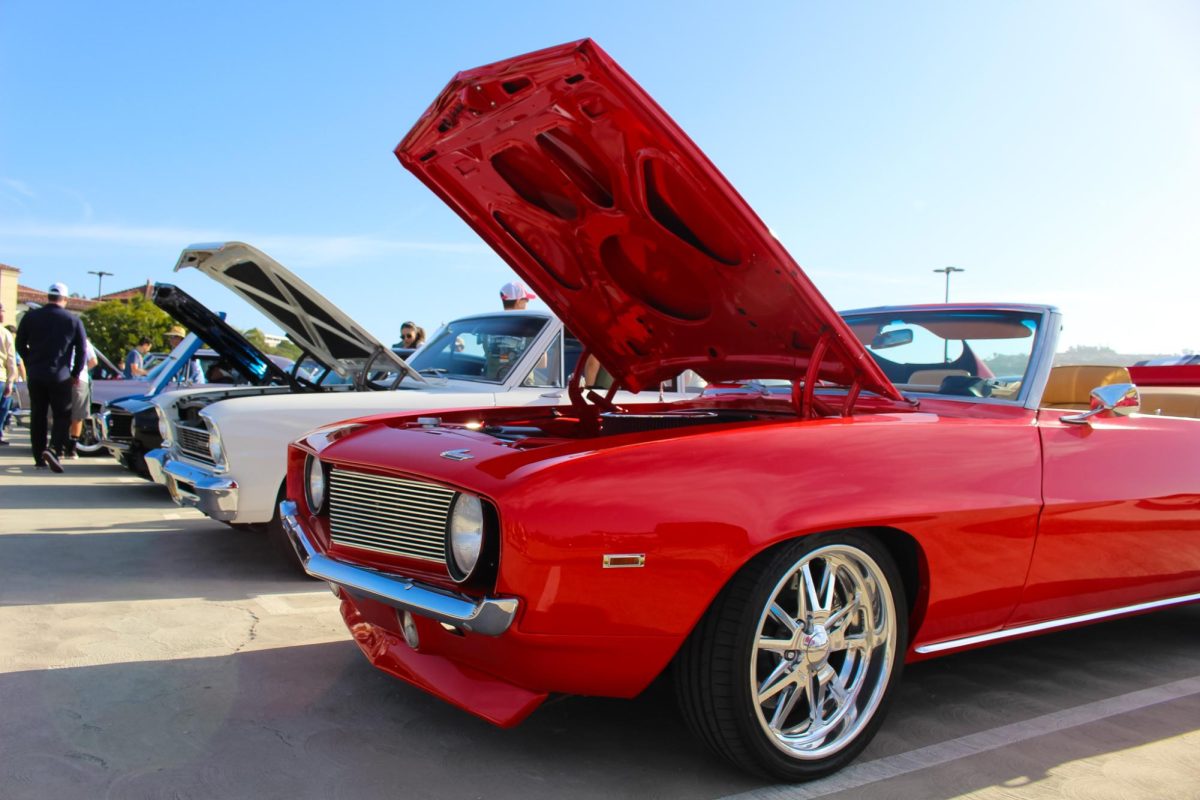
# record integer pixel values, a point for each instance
(790, 672)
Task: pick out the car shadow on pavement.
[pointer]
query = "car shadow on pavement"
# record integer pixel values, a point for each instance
(316, 721)
(59, 492)
(154, 560)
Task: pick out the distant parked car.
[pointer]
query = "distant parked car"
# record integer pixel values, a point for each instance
(129, 426)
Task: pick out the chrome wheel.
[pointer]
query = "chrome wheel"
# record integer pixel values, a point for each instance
(790, 671)
(89, 441)
(823, 652)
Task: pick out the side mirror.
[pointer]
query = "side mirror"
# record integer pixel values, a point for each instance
(894, 338)
(1122, 399)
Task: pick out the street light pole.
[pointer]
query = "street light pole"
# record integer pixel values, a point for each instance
(946, 343)
(100, 281)
(947, 271)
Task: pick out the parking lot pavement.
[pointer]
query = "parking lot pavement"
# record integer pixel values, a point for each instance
(146, 651)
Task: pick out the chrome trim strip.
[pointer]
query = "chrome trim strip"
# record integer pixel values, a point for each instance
(1049, 625)
(490, 616)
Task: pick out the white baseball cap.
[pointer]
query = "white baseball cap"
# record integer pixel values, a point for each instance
(57, 290)
(516, 290)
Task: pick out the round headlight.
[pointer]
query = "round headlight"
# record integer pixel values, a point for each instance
(314, 479)
(466, 535)
(214, 447)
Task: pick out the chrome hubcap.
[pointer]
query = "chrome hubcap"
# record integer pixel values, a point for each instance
(823, 652)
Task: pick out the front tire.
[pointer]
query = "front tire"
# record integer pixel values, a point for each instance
(790, 671)
(89, 442)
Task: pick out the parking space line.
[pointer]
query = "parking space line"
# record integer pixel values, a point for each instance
(880, 769)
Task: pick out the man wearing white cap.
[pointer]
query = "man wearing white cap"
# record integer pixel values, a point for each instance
(515, 296)
(51, 341)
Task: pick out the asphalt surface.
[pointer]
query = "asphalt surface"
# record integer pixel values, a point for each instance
(148, 652)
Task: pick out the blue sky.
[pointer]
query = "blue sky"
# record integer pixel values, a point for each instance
(1052, 150)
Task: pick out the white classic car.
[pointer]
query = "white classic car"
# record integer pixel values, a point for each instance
(226, 455)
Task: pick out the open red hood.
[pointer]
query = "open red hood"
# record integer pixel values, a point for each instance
(592, 194)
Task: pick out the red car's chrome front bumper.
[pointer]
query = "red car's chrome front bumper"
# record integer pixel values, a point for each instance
(489, 616)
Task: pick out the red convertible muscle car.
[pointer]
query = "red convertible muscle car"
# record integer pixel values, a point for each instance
(851, 492)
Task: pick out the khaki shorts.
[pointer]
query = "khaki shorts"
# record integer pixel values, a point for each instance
(81, 401)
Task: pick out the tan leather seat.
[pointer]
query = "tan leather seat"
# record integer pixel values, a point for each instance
(1171, 401)
(1070, 387)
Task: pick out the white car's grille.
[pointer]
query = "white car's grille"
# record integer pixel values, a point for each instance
(389, 515)
(193, 442)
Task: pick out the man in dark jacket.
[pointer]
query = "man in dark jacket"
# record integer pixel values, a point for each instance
(50, 340)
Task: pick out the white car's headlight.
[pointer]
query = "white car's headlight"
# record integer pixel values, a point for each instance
(466, 535)
(216, 448)
(314, 480)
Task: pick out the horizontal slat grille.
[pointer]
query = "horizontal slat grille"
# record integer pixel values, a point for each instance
(120, 425)
(194, 442)
(389, 515)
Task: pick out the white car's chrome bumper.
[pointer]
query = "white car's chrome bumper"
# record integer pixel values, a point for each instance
(155, 460)
(197, 487)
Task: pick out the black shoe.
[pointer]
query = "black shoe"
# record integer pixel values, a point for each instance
(4, 442)
(52, 461)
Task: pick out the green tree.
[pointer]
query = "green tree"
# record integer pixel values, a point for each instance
(288, 349)
(285, 348)
(256, 337)
(115, 326)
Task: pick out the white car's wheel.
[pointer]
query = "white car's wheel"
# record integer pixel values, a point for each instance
(791, 669)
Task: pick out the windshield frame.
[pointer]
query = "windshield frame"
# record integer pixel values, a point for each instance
(1048, 322)
(538, 344)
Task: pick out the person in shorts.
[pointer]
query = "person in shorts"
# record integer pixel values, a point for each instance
(81, 400)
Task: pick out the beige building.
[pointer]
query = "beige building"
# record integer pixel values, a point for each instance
(8, 292)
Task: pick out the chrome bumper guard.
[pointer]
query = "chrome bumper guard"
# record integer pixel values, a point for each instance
(489, 616)
(155, 459)
(198, 488)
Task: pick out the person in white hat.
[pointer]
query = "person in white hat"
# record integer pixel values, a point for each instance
(51, 341)
(515, 296)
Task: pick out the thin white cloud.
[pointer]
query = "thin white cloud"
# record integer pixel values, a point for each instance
(19, 187)
(315, 248)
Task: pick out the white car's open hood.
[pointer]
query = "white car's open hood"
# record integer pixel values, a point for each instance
(320, 328)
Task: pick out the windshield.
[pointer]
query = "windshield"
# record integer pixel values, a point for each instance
(479, 348)
(967, 353)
